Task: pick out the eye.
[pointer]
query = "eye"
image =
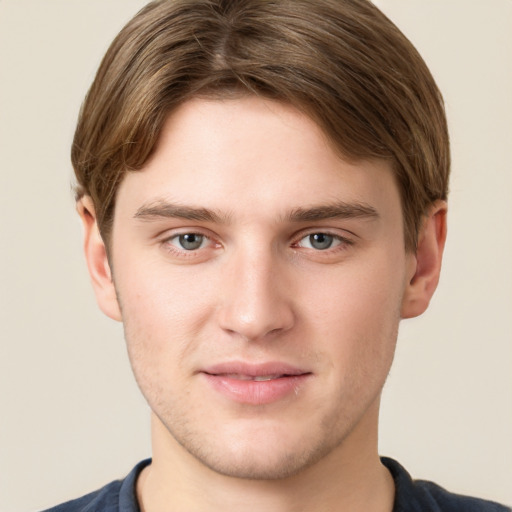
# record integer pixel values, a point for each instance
(320, 241)
(189, 241)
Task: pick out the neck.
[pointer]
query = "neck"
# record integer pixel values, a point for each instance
(350, 478)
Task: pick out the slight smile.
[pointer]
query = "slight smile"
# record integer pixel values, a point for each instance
(255, 384)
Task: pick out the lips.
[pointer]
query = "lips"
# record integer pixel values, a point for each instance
(257, 378)
(255, 384)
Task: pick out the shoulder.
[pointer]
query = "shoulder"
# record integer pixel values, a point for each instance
(114, 497)
(104, 499)
(420, 495)
(448, 501)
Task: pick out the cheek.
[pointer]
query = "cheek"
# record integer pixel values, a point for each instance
(358, 312)
(363, 292)
(163, 314)
(157, 296)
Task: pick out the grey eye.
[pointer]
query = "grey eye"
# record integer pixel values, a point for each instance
(320, 241)
(190, 241)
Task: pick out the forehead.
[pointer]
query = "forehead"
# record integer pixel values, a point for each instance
(247, 156)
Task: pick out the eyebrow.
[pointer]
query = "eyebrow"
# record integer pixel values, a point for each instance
(339, 210)
(164, 209)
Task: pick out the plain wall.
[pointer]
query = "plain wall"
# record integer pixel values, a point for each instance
(71, 416)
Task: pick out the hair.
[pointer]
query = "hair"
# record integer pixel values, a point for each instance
(342, 62)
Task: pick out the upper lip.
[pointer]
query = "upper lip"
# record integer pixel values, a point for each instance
(254, 370)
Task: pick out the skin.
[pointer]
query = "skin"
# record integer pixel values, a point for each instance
(251, 182)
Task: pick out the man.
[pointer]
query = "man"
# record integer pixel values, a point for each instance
(263, 190)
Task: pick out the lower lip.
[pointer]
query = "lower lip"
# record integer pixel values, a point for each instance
(257, 392)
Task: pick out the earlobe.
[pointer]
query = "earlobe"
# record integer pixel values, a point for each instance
(97, 260)
(426, 262)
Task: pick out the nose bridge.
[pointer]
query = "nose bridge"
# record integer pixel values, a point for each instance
(256, 302)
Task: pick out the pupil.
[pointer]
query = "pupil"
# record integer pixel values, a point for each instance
(320, 241)
(191, 241)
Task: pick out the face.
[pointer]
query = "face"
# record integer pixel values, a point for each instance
(260, 280)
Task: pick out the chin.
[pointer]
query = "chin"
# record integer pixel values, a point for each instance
(266, 454)
(260, 466)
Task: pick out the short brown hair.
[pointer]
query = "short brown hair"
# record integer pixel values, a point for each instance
(342, 62)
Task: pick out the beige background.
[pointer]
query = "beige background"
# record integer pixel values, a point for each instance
(71, 417)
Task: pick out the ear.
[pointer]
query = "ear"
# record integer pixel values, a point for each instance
(426, 262)
(97, 261)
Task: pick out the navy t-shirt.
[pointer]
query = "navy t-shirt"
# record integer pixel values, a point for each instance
(410, 496)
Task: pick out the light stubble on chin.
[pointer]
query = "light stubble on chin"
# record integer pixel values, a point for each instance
(244, 463)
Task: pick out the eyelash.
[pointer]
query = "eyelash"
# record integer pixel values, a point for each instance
(168, 245)
(341, 243)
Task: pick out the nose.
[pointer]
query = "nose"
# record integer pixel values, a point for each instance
(256, 302)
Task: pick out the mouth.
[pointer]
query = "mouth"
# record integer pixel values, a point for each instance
(255, 378)
(256, 384)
